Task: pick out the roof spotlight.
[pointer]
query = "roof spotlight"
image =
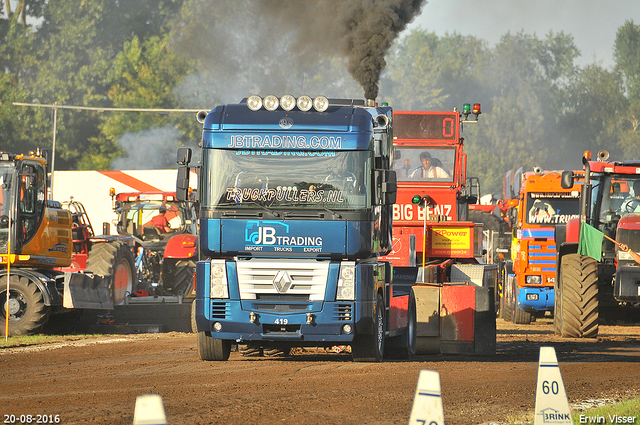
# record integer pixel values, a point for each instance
(287, 102)
(254, 102)
(320, 103)
(305, 103)
(271, 103)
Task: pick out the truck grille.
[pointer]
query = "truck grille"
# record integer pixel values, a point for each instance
(302, 278)
(219, 310)
(343, 312)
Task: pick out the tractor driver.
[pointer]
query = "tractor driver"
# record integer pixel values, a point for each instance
(160, 221)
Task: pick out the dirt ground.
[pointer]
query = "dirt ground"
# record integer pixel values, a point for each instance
(97, 381)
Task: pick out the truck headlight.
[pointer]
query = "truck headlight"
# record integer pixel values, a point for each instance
(533, 280)
(346, 281)
(321, 103)
(287, 102)
(219, 287)
(305, 103)
(271, 103)
(254, 102)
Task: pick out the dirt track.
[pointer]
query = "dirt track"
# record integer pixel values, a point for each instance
(97, 381)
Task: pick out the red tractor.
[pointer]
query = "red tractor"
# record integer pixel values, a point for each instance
(164, 234)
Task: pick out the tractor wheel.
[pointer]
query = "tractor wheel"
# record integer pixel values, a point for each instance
(27, 312)
(370, 348)
(212, 348)
(557, 304)
(115, 259)
(579, 304)
(177, 276)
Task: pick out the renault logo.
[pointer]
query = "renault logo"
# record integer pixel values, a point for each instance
(282, 282)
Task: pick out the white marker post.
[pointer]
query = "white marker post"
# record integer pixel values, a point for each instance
(149, 410)
(427, 402)
(552, 406)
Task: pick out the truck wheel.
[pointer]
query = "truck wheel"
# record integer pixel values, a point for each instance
(507, 298)
(177, 276)
(520, 317)
(115, 259)
(579, 304)
(370, 348)
(27, 312)
(212, 348)
(194, 326)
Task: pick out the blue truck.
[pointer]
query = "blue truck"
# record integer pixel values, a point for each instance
(295, 206)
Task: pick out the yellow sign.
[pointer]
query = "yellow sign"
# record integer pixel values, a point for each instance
(451, 241)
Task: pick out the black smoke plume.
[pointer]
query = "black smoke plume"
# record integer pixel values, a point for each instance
(358, 31)
(361, 31)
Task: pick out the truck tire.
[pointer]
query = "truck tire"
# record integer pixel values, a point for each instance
(370, 348)
(194, 326)
(27, 311)
(579, 304)
(177, 276)
(409, 339)
(520, 317)
(507, 296)
(115, 259)
(212, 348)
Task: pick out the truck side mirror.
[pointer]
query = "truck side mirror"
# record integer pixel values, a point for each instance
(388, 184)
(182, 183)
(184, 156)
(566, 181)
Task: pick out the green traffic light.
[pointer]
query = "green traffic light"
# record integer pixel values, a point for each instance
(416, 199)
(466, 108)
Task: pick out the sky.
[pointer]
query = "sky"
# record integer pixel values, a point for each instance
(592, 23)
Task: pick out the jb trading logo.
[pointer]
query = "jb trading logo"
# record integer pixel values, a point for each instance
(275, 235)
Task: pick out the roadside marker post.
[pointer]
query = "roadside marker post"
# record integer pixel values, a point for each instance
(149, 410)
(427, 402)
(552, 405)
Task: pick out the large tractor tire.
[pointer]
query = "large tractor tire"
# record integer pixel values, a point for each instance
(370, 348)
(211, 348)
(27, 311)
(177, 276)
(115, 259)
(579, 305)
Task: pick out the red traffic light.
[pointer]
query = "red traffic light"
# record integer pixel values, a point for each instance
(476, 109)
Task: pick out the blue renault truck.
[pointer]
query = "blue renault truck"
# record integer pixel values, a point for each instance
(295, 206)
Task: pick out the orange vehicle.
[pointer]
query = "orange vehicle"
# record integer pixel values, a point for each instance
(542, 205)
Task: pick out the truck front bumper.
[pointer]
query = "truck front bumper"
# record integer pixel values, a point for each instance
(536, 299)
(306, 324)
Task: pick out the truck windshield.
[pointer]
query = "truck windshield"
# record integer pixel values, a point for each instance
(298, 179)
(420, 164)
(552, 208)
